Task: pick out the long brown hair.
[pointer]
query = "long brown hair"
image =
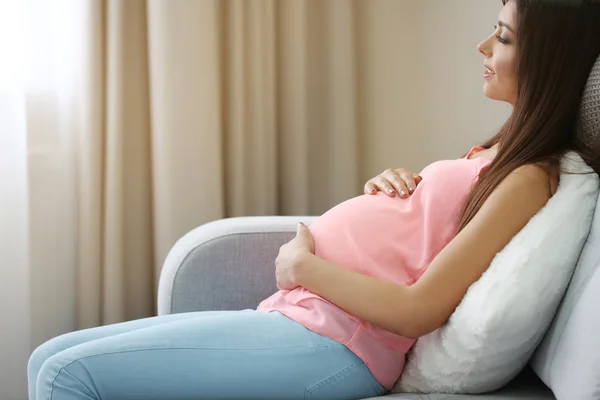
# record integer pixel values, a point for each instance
(557, 42)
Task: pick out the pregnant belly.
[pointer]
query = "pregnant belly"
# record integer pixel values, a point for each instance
(372, 234)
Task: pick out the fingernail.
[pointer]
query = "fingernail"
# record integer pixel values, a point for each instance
(371, 190)
(412, 188)
(402, 193)
(390, 191)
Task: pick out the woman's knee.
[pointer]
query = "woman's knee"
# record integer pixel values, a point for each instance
(63, 376)
(46, 350)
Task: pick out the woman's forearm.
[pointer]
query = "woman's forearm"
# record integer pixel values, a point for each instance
(384, 304)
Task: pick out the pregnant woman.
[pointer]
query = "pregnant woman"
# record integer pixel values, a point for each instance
(375, 272)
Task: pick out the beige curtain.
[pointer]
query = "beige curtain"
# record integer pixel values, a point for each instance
(156, 116)
(200, 110)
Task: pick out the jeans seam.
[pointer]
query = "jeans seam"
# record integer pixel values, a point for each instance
(322, 382)
(90, 378)
(378, 388)
(74, 377)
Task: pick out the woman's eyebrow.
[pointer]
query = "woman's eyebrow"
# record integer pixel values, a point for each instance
(505, 25)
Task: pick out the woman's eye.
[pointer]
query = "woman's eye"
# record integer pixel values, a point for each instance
(501, 40)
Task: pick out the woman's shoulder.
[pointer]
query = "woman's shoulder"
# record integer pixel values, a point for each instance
(541, 174)
(551, 170)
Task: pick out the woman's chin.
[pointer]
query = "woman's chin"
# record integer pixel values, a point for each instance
(492, 94)
(489, 92)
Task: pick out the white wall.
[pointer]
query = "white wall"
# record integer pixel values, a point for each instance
(423, 99)
(457, 114)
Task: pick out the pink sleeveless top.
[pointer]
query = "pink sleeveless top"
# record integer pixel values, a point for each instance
(389, 238)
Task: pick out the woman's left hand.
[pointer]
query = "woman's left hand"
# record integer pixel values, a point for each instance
(289, 256)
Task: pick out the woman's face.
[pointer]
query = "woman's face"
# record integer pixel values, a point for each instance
(500, 53)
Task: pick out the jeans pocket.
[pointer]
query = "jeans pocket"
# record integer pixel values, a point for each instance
(352, 382)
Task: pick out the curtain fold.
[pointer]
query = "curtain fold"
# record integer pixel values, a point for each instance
(90, 153)
(15, 291)
(186, 120)
(249, 106)
(128, 223)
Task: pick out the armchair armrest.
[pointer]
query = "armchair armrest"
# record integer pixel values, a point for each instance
(227, 264)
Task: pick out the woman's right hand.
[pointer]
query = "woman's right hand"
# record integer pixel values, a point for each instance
(392, 181)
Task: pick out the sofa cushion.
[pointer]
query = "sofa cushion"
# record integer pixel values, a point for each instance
(568, 359)
(589, 111)
(527, 386)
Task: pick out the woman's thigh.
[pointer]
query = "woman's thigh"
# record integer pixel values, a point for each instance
(68, 340)
(216, 355)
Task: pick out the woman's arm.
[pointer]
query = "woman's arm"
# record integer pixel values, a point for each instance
(416, 310)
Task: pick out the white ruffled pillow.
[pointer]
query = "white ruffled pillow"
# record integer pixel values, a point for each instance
(495, 329)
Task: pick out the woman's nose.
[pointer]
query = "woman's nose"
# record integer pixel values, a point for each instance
(483, 48)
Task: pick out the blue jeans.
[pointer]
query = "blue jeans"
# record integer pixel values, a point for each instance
(199, 355)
